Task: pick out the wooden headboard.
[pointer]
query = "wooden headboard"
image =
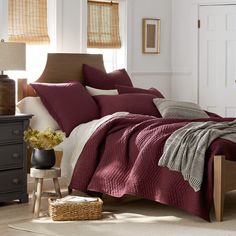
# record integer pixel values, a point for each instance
(62, 67)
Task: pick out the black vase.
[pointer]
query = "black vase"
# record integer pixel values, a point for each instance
(43, 159)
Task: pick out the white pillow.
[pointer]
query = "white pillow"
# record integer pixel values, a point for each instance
(94, 91)
(41, 119)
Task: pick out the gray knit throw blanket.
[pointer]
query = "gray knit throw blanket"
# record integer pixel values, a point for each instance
(185, 149)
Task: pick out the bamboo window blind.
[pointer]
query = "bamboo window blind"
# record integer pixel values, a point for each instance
(27, 21)
(103, 25)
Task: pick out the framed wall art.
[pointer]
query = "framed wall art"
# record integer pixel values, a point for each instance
(151, 35)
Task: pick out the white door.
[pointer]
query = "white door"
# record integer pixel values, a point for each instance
(217, 59)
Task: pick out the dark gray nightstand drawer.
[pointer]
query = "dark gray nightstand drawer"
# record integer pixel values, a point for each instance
(11, 156)
(11, 131)
(12, 179)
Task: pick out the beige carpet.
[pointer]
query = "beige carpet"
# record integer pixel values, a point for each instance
(136, 218)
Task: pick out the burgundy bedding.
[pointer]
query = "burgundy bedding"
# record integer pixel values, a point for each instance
(98, 79)
(133, 103)
(122, 157)
(127, 89)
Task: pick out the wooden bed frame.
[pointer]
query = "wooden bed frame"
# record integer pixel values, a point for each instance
(63, 67)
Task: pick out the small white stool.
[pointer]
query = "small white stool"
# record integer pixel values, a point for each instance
(39, 175)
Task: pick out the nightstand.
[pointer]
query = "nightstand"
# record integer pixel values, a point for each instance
(13, 163)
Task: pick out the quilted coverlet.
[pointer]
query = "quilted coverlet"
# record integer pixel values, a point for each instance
(122, 156)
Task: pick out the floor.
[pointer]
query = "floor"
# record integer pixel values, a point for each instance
(14, 211)
(11, 213)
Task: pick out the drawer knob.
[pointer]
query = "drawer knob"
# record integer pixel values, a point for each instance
(15, 181)
(16, 132)
(15, 156)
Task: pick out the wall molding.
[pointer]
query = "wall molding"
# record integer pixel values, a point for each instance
(173, 72)
(214, 2)
(129, 36)
(150, 73)
(59, 25)
(83, 26)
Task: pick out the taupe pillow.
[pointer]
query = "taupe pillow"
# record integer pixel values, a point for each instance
(176, 109)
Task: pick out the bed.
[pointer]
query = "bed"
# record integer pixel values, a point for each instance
(61, 67)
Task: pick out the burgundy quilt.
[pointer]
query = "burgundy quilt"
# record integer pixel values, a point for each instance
(122, 157)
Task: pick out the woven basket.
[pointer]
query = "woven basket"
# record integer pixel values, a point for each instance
(75, 211)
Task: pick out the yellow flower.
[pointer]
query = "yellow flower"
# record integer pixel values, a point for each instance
(43, 139)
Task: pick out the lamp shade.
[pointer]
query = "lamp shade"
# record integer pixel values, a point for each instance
(12, 56)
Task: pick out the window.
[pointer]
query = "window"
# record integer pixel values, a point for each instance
(103, 25)
(28, 22)
(105, 31)
(109, 57)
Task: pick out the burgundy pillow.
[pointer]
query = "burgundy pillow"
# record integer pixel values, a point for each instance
(98, 79)
(133, 103)
(125, 89)
(68, 103)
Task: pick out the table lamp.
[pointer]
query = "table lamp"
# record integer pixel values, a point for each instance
(12, 57)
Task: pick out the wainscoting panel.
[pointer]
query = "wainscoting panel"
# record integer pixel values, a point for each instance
(157, 79)
(230, 111)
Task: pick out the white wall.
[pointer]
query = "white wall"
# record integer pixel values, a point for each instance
(184, 47)
(3, 19)
(145, 70)
(149, 70)
(175, 70)
(69, 25)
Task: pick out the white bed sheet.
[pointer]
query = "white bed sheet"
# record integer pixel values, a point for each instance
(73, 145)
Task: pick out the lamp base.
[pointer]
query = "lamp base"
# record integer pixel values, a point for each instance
(7, 95)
